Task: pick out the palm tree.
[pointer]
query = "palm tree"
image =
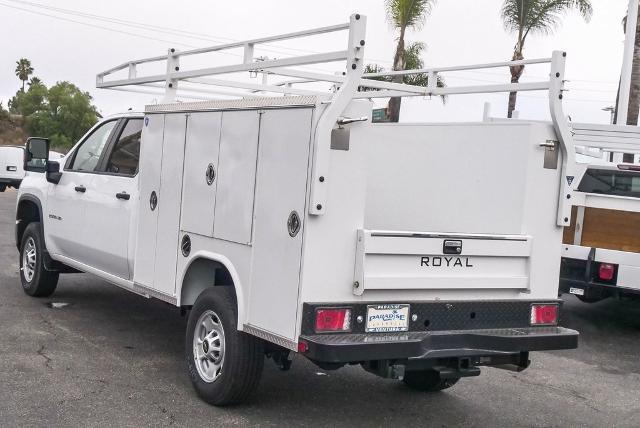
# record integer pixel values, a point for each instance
(403, 14)
(23, 70)
(34, 81)
(535, 16)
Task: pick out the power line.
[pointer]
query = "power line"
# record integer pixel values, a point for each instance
(165, 30)
(99, 26)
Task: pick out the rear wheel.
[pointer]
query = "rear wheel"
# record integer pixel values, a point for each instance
(36, 280)
(3, 187)
(428, 381)
(225, 365)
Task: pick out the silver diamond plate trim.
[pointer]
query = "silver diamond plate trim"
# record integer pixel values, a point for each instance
(258, 102)
(278, 340)
(145, 291)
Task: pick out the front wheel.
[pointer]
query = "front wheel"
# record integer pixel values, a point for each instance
(225, 365)
(36, 280)
(428, 381)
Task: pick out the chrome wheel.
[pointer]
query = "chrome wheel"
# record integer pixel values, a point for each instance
(208, 346)
(29, 259)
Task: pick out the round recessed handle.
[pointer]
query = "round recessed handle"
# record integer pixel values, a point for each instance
(153, 201)
(210, 174)
(293, 224)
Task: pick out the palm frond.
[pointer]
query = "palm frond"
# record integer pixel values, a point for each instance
(408, 13)
(540, 16)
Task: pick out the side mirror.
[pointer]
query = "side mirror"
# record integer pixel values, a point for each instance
(36, 154)
(53, 172)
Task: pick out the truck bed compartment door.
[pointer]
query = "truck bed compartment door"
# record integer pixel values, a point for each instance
(283, 159)
(201, 172)
(161, 168)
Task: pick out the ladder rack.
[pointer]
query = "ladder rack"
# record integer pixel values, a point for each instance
(346, 85)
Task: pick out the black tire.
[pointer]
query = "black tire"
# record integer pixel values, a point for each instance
(242, 360)
(428, 381)
(3, 187)
(36, 280)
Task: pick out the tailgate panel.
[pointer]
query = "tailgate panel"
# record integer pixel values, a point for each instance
(415, 261)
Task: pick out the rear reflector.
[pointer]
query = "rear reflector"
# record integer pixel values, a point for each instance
(606, 271)
(332, 319)
(544, 314)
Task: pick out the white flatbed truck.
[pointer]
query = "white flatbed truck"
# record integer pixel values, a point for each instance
(601, 247)
(292, 224)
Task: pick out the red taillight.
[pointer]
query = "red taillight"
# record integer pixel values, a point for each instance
(303, 347)
(606, 271)
(544, 314)
(330, 319)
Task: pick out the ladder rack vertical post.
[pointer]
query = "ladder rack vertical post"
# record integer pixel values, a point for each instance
(248, 53)
(171, 84)
(339, 101)
(566, 145)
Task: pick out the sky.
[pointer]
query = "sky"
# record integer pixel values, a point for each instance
(74, 40)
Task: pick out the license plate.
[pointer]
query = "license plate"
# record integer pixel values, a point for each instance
(387, 318)
(578, 291)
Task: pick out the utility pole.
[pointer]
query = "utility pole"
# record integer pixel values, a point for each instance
(627, 62)
(625, 74)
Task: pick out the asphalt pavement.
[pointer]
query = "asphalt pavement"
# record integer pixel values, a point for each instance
(96, 355)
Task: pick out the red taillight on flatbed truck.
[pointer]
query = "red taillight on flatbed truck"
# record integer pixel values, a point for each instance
(606, 271)
(333, 319)
(544, 314)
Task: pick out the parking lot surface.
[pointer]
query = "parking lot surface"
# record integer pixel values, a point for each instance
(96, 355)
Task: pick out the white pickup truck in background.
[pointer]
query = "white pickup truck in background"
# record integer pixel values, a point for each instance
(12, 165)
(291, 223)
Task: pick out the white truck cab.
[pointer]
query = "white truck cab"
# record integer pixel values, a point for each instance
(292, 224)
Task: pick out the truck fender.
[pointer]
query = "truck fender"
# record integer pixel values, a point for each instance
(189, 289)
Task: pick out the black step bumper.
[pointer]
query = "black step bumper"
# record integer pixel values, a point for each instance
(347, 348)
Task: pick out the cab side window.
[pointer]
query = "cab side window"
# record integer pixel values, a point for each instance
(88, 154)
(125, 155)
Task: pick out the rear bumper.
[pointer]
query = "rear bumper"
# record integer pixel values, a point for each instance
(345, 348)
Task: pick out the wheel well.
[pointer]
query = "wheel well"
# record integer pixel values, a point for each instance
(202, 274)
(27, 212)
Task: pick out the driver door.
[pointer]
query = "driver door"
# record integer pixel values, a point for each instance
(66, 202)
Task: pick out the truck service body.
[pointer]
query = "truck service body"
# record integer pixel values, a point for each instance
(293, 224)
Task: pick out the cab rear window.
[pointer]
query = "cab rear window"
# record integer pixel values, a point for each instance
(610, 182)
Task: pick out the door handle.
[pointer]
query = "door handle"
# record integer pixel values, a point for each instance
(81, 189)
(123, 195)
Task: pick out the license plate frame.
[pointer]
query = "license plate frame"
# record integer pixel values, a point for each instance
(387, 318)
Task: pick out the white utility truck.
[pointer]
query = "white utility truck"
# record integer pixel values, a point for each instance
(601, 248)
(285, 221)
